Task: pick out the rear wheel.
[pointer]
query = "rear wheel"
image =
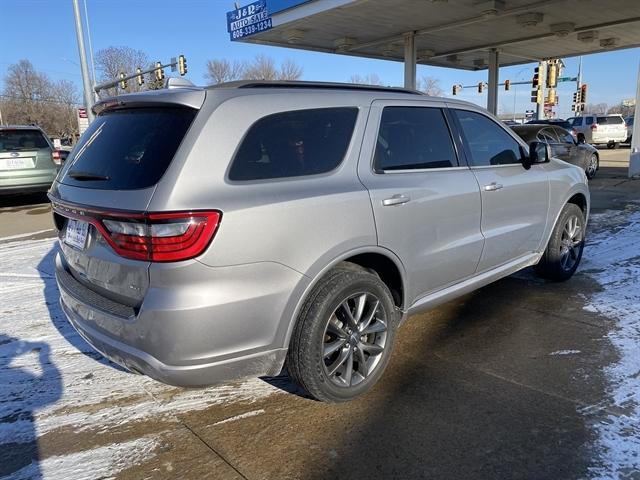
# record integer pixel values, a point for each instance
(592, 166)
(563, 254)
(611, 145)
(344, 335)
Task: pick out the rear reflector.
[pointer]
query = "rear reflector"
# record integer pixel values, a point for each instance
(155, 237)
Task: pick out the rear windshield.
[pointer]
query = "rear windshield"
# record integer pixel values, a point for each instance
(610, 120)
(22, 140)
(127, 149)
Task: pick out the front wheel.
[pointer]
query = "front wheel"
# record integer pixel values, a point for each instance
(562, 256)
(592, 166)
(344, 335)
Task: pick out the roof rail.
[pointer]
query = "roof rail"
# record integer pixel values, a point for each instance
(313, 85)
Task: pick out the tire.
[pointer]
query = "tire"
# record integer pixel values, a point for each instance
(592, 166)
(323, 326)
(560, 261)
(612, 145)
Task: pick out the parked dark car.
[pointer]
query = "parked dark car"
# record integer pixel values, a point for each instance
(563, 145)
(558, 122)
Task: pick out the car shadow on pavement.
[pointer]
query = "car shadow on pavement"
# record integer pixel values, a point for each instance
(25, 200)
(46, 267)
(29, 381)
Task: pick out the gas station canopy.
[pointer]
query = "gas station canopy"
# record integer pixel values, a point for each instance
(464, 34)
(454, 33)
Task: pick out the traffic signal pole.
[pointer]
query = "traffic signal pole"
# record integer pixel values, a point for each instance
(542, 75)
(86, 79)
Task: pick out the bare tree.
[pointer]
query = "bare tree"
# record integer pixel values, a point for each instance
(111, 61)
(430, 86)
(30, 97)
(222, 70)
(368, 79)
(623, 109)
(290, 70)
(261, 68)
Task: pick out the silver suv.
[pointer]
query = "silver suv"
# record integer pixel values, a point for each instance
(211, 234)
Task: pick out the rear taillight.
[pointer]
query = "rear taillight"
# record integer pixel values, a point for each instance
(56, 157)
(161, 237)
(594, 126)
(155, 237)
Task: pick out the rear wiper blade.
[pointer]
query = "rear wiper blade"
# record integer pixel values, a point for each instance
(86, 176)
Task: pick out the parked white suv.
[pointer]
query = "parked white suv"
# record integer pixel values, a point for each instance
(601, 129)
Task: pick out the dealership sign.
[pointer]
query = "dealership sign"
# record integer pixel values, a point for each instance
(250, 19)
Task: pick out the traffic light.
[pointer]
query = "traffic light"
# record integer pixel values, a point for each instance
(182, 65)
(552, 97)
(159, 72)
(536, 96)
(123, 82)
(552, 75)
(456, 89)
(507, 85)
(583, 93)
(535, 83)
(480, 87)
(577, 97)
(139, 76)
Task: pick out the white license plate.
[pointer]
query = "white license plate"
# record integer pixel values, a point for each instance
(16, 163)
(76, 233)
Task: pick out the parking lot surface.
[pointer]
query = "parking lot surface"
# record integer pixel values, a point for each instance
(521, 379)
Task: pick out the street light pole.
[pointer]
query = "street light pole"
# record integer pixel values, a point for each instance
(86, 79)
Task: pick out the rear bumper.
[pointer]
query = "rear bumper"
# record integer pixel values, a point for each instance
(609, 137)
(185, 346)
(40, 182)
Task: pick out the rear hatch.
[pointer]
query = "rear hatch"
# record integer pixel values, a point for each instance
(105, 186)
(24, 153)
(611, 125)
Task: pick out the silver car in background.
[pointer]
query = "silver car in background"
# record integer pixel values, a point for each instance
(209, 234)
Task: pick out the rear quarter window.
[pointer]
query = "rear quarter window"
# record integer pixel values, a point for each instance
(127, 149)
(294, 144)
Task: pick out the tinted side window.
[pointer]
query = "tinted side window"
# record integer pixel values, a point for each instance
(488, 143)
(296, 143)
(576, 122)
(563, 135)
(547, 135)
(589, 120)
(412, 138)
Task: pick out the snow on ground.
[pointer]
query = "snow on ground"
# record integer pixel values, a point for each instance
(51, 378)
(612, 258)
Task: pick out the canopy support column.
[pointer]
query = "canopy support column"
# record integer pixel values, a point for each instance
(634, 160)
(494, 80)
(410, 61)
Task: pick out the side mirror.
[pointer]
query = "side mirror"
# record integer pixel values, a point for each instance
(581, 139)
(539, 152)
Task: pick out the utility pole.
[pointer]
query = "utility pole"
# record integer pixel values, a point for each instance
(86, 79)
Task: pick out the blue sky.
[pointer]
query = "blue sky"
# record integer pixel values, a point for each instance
(43, 32)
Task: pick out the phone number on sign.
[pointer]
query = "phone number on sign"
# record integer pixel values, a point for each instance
(251, 29)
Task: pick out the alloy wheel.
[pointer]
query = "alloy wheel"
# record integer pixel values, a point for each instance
(571, 243)
(354, 339)
(593, 166)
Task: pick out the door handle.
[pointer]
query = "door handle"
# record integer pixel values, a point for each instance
(492, 187)
(397, 199)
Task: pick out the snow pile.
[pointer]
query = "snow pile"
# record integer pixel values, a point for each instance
(612, 258)
(51, 378)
